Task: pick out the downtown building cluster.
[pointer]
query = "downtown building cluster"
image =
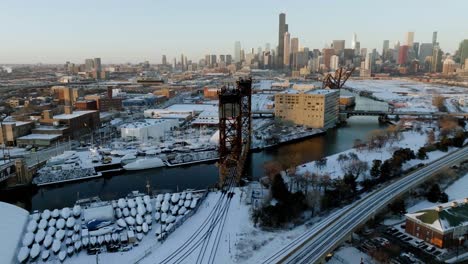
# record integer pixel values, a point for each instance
(289, 56)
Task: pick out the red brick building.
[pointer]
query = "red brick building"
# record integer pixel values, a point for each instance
(442, 226)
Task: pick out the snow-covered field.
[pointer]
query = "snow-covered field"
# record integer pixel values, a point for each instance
(409, 95)
(410, 139)
(456, 190)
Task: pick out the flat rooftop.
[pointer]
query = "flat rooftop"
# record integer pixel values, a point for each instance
(39, 137)
(191, 107)
(74, 114)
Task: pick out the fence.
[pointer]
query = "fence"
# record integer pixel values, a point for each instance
(177, 224)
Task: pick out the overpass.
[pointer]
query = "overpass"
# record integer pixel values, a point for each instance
(315, 244)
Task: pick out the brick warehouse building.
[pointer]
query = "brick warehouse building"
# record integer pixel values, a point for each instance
(442, 225)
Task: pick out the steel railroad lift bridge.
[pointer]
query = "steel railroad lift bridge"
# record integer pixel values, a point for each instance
(235, 129)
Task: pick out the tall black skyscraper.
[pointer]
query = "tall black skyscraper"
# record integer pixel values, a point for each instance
(282, 29)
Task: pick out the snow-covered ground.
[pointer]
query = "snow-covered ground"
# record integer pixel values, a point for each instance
(409, 95)
(409, 139)
(456, 190)
(12, 223)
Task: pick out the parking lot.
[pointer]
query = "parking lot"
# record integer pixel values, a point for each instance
(392, 245)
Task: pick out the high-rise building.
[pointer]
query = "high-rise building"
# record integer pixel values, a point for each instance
(425, 50)
(416, 49)
(97, 64)
(228, 59)
(357, 49)
(267, 47)
(338, 46)
(89, 65)
(334, 62)
(385, 48)
(436, 59)
(237, 51)
(403, 54)
(294, 45)
(353, 41)
(286, 48)
(182, 61)
(409, 39)
(164, 60)
(463, 51)
(281, 31)
(364, 52)
(434, 38)
(327, 53)
(368, 62)
(222, 58)
(213, 60)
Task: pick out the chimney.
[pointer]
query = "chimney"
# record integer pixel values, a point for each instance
(68, 110)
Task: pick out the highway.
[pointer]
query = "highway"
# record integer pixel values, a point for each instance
(313, 246)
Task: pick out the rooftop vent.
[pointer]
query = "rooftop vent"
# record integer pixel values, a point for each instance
(439, 208)
(454, 204)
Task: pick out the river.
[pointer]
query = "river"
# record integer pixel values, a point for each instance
(203, 175)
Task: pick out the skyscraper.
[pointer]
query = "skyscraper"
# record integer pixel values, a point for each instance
(281, 30)
(425, 50)
(327, 53)
(434, 38)
(409, 38)
(286, 48)
(436, 59)
(334, 62)
(386, 46)
(213, 60)
(463, 51)
(164, 60)
(97, 64)
(403, 54)
(416, 49)
(294, 45)
(338, 46)
(267, 47)
(353, 42)
(89, 65)
(237, 51)
(182, 61)
(357, 49)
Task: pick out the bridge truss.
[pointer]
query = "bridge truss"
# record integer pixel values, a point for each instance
(338, 79)
(235, 129)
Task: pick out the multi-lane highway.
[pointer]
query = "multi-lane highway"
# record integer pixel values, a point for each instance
(314, 246)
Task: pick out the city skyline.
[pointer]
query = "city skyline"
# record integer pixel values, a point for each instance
(48, 32)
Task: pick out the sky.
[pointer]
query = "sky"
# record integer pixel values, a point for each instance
(52, 31)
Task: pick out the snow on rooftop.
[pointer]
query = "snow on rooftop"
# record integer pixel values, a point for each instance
(443, 217)
(40, 136)
(145, 123)
(73, 115)
(12, 224)
(191, 107)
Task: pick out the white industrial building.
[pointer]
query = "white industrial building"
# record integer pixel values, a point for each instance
(148, 129)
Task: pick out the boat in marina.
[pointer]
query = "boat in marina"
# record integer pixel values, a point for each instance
(145, 163)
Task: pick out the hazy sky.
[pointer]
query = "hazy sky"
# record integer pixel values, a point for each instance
(133, 31)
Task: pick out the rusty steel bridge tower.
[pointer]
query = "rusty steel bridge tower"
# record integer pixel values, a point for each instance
(235, 129)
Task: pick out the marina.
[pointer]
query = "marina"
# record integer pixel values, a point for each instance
(92, 226)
